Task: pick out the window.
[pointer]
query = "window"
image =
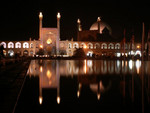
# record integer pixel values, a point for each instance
(10, 45)
(18, 45)
(25, 45)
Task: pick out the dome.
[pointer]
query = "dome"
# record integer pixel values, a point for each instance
(103, 25)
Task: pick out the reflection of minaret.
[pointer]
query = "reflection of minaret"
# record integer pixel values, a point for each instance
(40, 85)
(79, 89)
(58, 82)
(98, 92)
(58, 35)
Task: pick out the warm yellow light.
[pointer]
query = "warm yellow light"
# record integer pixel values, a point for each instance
(78, 93)
(78, 21)
(85, 69)
(49, 41)
(85, 46)
(40, 100)
(58, 15)
(58, 100)
(49, 74)
(40, 15)
(41, 46)
(98, 19)
(138, 46)
(41, 69)
(98, 96)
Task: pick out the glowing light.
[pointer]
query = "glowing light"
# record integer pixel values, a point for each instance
(85, 47)
(41, 69)
(40, 100)
(58, 15)
(58, 100)
(78, 93)
(130, 64)
(89, 63)
(138, 65)
(78, 21)
(118, 54)
(138, 46)
(40, 15)
(49, 41)
(49, 74)
(138, 53)
(99, 19)
(41, 46)
(98, 96)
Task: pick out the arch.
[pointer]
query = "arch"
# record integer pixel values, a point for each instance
(69, 45)
(104, 46)
(90, 45)
(17, 45)
(10, 45)
(117, 46)
(25, 45)
(97, 46)
(111, 46)
(25, 53)
(82, 45)
(90, 53)
(31, 45)
(10, 53)
(75, 45)
(4, 44)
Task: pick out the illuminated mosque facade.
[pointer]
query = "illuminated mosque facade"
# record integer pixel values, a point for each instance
(97, 41)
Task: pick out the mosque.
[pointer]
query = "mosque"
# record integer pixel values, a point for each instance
(95, 41)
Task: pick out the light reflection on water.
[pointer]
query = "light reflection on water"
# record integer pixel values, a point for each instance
(100, 75)
(87, 67)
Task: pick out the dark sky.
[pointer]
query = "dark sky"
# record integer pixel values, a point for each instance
(19, 19)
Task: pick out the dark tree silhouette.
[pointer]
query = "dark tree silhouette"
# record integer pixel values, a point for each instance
(1, 51)
(79, 53)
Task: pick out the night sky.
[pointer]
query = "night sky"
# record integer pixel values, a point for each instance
(19, 20)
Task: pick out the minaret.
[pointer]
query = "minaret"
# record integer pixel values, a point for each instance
(40, 25)
(98, 21)
(78, 28)
(58, 35)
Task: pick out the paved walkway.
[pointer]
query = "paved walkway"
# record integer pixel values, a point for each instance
(12, 77)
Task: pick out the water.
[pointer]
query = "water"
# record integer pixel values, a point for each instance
(86, 86)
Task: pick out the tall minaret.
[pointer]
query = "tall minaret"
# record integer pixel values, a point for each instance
(58, 35)
(78, 28)
(98, 21)
(40, 25)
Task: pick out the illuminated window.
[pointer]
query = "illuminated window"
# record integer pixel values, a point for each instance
(117, 46)
(90, 45)
(17, 45)
(82, 45)
(75, 45)
(10, 45)
(69, 45)
(97, 46)
(25, 45)
(31, 45)
(4, 44)
(104, 46)
(111, 46)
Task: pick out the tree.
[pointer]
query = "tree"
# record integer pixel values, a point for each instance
(1, 51)
(79, 53)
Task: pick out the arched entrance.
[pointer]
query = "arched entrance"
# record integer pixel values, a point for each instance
(10, 53)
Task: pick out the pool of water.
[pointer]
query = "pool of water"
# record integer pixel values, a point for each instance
(86, 86)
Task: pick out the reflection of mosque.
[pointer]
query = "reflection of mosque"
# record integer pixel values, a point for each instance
(89, 67)
(99, 78)
(97, 40)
